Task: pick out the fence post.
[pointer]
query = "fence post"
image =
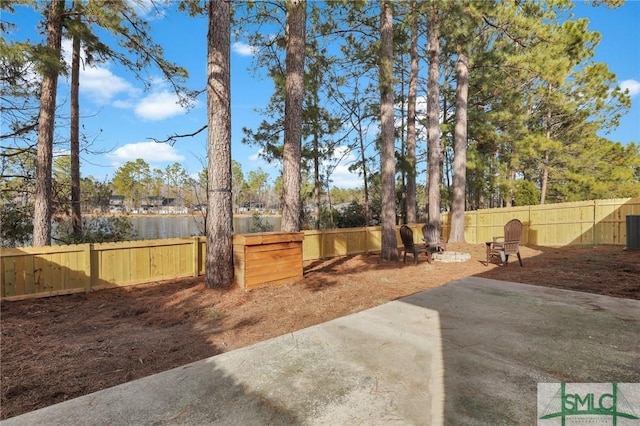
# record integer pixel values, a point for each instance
(196, 256)
(366, 238)
(88, 249)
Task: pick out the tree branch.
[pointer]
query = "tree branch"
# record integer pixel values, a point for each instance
(172, 139)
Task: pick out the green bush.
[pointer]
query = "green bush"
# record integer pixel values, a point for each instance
(16, 226)
(258, 224)
(98, 229)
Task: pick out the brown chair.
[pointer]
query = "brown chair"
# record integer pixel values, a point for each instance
(433, 242)
(507, 244)
(406, 234)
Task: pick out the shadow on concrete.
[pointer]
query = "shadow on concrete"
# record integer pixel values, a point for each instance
(120, 314)
(195, 394)
(500, 339)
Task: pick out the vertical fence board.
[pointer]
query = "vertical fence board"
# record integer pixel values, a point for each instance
(39, 269)
(142, 269)
(68, 271)
(311, 245)
(9, 277)
(53, 275)
(29, 275)
(374, 238)
(203, 255)
(108, 264)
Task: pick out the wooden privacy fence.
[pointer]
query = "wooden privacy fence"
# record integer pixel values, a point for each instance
(554, 225)
(47, 271)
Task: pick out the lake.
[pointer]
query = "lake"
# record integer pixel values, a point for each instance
(157, 227)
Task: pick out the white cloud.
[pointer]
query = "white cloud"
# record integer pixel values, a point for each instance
(341, 177)
(257, 156)
(257, 160)
(339, 163)
(151, 152)
(97, 82)
(632, 85)
(122, 104)
(158, 106)
(243, 49)
(102, 85)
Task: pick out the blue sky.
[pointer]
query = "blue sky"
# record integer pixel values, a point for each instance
(121, 119)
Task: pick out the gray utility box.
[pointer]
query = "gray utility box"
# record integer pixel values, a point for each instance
(633, 231)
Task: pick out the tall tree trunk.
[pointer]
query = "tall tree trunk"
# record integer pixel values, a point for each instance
(411, 119)
(389, 250)
(292, 152)
(365, 177)
(433, 117)
(46, 126)
(317, 181)
(76, 212)
(544, 178)
(460, 151)
(316, 177)
(219, 263)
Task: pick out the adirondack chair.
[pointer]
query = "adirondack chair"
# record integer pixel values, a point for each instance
(432, 240)
(406, 234)
(508, 244)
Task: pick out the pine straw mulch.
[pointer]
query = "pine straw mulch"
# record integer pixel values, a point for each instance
(62, 347)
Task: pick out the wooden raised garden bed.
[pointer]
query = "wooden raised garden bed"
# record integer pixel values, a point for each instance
(267, 258)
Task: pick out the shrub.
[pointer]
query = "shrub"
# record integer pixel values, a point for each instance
(99, 229)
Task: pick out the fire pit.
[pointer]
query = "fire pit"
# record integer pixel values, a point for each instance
(451, 256)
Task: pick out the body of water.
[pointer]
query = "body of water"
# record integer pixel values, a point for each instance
(157, 227)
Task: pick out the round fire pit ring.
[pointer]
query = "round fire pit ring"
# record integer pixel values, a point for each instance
(451, 256)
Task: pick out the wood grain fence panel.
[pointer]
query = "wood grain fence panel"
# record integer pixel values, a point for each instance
(311, 245)
(160, 259)
(42, 272)
(611, 227)
(356, 241)
(170, 262)
(29, 274)
(185, 260)
(335, 244)
(59, 263)
(571, 224)
(374, 238)
(71, 275)
(121, 266)
(157, 262)
(141, 266)
(9, 287)
(202, 251)
(109, 272)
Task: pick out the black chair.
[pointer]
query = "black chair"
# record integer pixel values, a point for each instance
(406, 234)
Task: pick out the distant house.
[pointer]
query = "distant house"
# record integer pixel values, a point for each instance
(173, 206)
(150, 205)
(116, 204)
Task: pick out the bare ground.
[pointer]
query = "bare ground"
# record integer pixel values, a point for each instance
(59, 348)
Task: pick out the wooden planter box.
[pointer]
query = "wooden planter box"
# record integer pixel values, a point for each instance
(267, 258)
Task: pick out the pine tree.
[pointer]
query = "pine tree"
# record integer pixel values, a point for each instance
(219, 221)
(389, 249)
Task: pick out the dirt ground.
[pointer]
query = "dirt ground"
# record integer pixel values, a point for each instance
(62, 347)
